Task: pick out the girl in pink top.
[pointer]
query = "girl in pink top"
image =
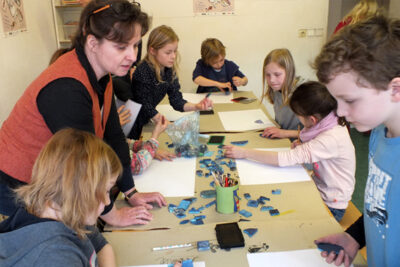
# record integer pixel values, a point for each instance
(324, 142)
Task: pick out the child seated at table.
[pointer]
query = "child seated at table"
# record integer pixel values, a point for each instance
(324, 142)
(279, 82)
(156, 76)
(214, 73)
(70, 186)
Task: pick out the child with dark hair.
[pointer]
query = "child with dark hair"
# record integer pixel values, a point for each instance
(360, 67)
(214, 73)
(324, 143)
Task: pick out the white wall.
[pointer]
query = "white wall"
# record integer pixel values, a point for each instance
(394, 9)
(24, 55)
(257, 27)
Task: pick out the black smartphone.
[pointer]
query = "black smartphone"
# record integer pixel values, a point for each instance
(216, 140)
(206, 112)
(229, 235)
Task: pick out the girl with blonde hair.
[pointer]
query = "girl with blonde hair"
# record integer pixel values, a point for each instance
(157, 76)
(279, 82)
(364, 10)
(70, 186)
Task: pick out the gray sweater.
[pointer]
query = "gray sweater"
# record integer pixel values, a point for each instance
(284, 116)
(26, 240)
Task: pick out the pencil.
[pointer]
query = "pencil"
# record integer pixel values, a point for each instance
(172, 247)
(215, 179)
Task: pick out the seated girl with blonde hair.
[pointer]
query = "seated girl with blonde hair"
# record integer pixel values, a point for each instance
(71, 182)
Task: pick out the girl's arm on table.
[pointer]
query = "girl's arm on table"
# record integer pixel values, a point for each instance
(267, 157)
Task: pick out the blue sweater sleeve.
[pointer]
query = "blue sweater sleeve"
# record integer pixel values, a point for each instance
(198, 70)
(233, 69)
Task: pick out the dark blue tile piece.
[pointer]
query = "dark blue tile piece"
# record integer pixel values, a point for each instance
(245, 213)
(252, 203)
(208, 194)
(171, 208)
(266, 208)
(250, 231)
(196, 211)
(180, 215)
(203, 245)
(274, 212)
(240, 143)
(264, 198)
(187, 263)
(211, 203)
(276, 191)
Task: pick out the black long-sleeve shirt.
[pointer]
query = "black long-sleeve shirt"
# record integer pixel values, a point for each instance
(356, 230)
(149, 92)
(66, 103)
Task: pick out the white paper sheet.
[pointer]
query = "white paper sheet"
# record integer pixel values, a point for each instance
(244, 120)
(298, 258)
(170, 113)
(134, 108)
(217, 98)
(195, 264)
(252, 172)
(174, 178)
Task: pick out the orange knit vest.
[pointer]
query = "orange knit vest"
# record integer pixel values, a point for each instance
(25, 132)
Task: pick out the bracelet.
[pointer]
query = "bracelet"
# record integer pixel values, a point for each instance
(128, 196)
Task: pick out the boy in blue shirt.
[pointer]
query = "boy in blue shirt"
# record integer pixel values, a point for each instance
(213, 73)
(361, 69)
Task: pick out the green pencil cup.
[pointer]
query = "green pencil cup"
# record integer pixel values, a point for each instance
(227, 199)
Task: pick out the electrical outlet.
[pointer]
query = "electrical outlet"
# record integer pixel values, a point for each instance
(302, 33)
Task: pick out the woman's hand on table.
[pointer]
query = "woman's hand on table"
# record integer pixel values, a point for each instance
(143, 199)
(128, 216)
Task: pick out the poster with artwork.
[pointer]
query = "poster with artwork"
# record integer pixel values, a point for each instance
(213, 7)
(12, 16)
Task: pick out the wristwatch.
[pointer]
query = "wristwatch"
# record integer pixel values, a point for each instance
(128, 196)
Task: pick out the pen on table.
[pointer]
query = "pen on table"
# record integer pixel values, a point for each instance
(208, 95)
(173, 246)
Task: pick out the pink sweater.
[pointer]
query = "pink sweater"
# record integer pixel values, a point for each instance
(333, 157)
